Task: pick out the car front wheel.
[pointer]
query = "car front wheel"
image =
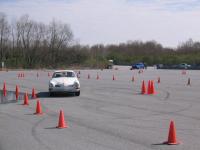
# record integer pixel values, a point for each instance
(51, 94)
(77, 93)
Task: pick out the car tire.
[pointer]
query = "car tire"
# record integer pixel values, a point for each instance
(51, 94)
(77, 93)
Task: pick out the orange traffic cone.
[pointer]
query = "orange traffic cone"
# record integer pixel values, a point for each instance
(158, 79)
(149, 87)
(152, 88)
(4, 89)
(26, 99)
(97, 76)
(61, 121)
(188, 83)
(17, 92)
(33, 94)
(38, 108)
(88, 76)
(172, 135)
(143, 89)
(113, 78)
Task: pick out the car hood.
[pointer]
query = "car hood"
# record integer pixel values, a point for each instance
(65, 81)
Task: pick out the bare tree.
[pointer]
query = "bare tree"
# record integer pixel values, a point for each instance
(59, 35)
(4, 34)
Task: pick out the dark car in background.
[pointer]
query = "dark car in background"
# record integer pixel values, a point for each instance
(184, 66)
(179, 66)
(138, 66)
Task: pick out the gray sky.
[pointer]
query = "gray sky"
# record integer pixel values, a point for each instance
(169, 22)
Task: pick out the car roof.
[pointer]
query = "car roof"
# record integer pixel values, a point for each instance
(63, 71)
(138, 64)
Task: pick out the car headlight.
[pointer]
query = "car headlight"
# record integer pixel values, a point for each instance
(50, 85)
(76, 85)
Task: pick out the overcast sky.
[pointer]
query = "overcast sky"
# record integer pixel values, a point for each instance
(169, 22)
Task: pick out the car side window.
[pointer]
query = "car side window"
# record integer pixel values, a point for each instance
(57, 75)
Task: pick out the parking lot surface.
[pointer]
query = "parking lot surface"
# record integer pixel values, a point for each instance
(108, 115)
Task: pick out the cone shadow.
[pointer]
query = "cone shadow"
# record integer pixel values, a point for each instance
(29, 114)
(163, 143)
(51, 128)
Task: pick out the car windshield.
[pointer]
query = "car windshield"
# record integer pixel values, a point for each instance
(63, 74)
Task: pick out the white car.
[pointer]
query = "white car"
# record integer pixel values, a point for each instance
(64, 81)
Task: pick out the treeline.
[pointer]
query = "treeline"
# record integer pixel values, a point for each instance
(153, 53)
(26, 43)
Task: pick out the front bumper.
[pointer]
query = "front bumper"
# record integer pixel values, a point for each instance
(64, 89)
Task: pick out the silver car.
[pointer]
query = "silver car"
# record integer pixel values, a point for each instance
(64, 81)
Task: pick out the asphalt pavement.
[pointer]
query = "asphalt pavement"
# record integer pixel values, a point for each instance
(108, 115)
